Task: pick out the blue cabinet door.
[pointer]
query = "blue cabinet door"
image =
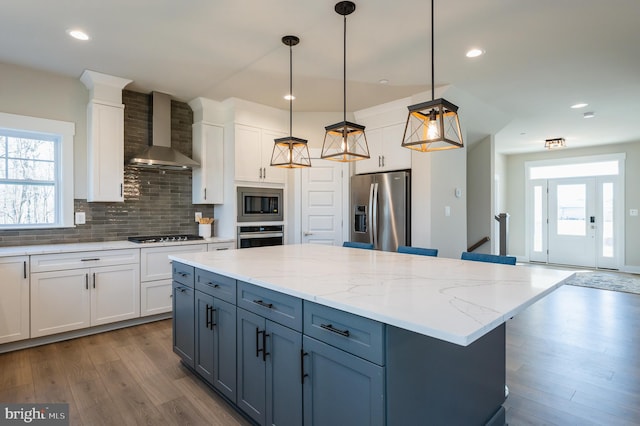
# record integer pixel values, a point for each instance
(251, 365)
(284, 385)
(341, 389)
(204, 336)
(183, 322)
(224, 348)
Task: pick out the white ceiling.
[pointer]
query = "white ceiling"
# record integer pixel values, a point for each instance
(541, 56)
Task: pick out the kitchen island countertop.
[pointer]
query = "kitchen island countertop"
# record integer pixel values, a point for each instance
(449, 299)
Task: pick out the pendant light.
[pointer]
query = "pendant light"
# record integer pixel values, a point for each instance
(432, 125)
(345, 141)
(290, 152)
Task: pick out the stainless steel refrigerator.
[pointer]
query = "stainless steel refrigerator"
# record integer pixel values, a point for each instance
(380, 209)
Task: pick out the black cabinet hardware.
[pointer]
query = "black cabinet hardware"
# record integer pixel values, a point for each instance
(94, 280)
(207, 322)
(264, 343)
(302, 374)
(261, 303)
(25, 269)
(86, 281)
(90, 259)
(332, 329)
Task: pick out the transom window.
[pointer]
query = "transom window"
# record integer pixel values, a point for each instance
(28, 170)
(36, 172)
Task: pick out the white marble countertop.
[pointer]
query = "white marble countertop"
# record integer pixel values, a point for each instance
(449, 299)
(94, 246)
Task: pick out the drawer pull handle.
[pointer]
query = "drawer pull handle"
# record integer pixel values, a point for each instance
(332, 329)
(213, 285)
(261, 303)
(89, 259)
(184, 274)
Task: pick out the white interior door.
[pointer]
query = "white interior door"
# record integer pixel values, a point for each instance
(322, 202)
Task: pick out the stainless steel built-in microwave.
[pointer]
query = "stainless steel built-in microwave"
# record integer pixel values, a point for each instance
(259, 204)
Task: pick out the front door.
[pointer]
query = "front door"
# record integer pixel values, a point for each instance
(580, 221)
(322, 202)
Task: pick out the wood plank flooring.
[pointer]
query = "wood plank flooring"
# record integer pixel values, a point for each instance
(572, 359)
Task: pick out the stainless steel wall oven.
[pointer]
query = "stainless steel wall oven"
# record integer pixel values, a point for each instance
(260, 236)
(259, 204)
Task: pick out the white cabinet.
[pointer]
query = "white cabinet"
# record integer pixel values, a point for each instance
(14, 302)
(155, 276)
(208, 151)
(229, 245)
(66, 297)
(385, 150)
(105, 136)
(253, 149)
(105, 152)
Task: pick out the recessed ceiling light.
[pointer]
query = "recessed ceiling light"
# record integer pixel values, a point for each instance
(383, 81)
(580, 105)
(589, 114)
(78, 34)
(289, 97)
(474, 53)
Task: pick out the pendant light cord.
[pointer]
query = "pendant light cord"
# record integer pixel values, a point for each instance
(433, 86)
(290, 91)
(344, 72)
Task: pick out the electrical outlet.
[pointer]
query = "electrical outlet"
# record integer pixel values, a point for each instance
(198, 216)
(80, 218)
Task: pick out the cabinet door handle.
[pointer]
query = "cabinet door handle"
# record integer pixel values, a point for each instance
(207, 321)
(261, 303)
(332, 329)
(24, 269)
(379, 162)
(86, 281)
(205, 193)
(89, 259)
(302, 373)
(264, 345)
(213, 323)
(264, 174)
(121, 190)
(257, 342)
(94, 280)
(383, 161)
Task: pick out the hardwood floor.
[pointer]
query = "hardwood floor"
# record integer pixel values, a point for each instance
(124, 377)
(573, 358)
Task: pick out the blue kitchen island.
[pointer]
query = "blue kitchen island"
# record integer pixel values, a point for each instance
(323, 335)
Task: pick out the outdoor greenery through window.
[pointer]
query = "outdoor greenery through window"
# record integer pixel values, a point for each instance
(28, 178)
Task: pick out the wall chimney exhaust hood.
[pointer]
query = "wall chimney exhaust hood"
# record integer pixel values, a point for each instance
(159, 154)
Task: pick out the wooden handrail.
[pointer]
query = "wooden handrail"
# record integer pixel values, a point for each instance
(478, 244)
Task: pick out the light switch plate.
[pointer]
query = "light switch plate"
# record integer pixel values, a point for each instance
(447, 210)
(633, 212)
(198, 216)
(80, 218)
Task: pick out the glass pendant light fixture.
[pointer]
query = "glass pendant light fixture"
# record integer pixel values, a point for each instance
(345, 141)
(290, 152)
(432, 125)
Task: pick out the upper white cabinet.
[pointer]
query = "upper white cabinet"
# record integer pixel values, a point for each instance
(14, 302)
(385, 150)
(105, 136)
(208, 150)
(253, 148)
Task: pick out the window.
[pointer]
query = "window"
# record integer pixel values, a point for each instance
(36, 172)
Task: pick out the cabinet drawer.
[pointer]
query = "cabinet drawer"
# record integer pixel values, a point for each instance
(183, 274)
(352, 333)
(216, 285)
(278, 307)
(85, 259)
(155, 263)
(222, 246)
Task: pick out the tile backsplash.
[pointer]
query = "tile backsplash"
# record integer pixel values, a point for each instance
(155, 201)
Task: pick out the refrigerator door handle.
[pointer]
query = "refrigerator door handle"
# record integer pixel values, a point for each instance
(375, 214)
(370, 225)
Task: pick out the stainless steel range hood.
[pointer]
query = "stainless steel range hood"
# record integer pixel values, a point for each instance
(159, 154)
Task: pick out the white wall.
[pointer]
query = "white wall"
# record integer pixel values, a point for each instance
(479, 195)
(44, 95)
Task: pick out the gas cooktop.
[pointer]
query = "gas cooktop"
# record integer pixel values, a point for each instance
(164, 238)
